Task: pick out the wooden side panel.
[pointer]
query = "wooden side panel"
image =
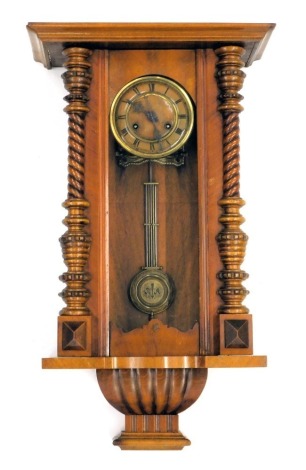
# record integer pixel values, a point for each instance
(96, 190)
(210, 175)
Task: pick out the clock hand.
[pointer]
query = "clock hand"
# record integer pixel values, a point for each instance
(149, 113)
(156, 134)
(151, 116)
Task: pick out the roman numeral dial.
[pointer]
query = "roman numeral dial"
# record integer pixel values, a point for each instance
(152, 117)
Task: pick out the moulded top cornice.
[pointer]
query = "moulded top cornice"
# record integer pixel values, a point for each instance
(49, 39)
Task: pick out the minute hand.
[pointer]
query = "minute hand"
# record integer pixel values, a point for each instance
(153, 118)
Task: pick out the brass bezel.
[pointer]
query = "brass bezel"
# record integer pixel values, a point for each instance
(170, 83)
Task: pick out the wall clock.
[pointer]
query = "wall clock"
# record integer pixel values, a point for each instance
(154, 287)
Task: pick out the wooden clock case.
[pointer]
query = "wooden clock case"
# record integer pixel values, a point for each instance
(151, 369)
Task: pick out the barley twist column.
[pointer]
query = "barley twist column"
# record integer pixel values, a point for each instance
(235, 323)
(74, 326)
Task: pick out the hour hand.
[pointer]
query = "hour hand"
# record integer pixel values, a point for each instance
(149, 113)
(151, 116)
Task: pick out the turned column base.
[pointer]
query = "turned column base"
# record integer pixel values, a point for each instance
(151, 432)
(236, 334)
(74, 335)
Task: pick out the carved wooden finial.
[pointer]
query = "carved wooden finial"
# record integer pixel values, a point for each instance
(230, 78)
(77, 78)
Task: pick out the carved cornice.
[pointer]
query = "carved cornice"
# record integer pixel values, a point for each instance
(49, 39)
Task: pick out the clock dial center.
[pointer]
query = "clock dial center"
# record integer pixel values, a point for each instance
(151, 117)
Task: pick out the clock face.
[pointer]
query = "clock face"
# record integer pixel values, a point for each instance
(152, 117)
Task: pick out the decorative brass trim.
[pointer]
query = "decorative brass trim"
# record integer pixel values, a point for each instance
(177, 159)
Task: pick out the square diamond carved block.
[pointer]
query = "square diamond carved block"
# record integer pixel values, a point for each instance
(74, 335)
(236, 336)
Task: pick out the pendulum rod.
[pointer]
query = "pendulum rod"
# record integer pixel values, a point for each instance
(150, 224)
(151, 289)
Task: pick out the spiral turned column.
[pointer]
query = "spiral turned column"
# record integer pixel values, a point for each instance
(74, 322)
(235, 322)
